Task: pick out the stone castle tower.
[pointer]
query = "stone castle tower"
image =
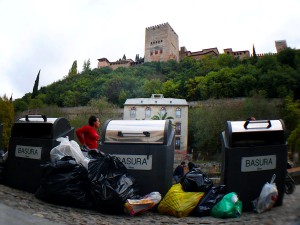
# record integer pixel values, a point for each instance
(161, 43)
(280, 45)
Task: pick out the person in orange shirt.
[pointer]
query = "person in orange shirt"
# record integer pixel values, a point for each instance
(88, 135)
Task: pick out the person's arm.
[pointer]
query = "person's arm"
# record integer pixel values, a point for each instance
(80, 135)
(182, 172)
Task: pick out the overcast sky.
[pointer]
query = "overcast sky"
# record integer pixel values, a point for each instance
(51, 34)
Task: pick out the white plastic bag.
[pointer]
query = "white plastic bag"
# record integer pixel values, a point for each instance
(267, 197)
(136, 206)
(68, 148)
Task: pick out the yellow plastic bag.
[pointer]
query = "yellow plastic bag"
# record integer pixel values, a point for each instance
(178, 202)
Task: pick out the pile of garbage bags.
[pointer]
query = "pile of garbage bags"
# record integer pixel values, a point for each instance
(101, 181)
(65, 182)
(195, 195)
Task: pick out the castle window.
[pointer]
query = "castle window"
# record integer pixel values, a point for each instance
(133, 112)
(156, 52)
(160, 40)
(151, 53)
(148, 112)
(161, 51)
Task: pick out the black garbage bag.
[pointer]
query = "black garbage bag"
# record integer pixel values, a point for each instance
(65, 183)
(111, 185)
(95, 154)
(211, 198)
(196, 181)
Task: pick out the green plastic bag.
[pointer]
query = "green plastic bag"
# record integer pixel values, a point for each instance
(229, 207)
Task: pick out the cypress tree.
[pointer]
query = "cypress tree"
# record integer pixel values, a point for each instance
(254, 56)
(73, 71)
(86, 65)
(36, 86)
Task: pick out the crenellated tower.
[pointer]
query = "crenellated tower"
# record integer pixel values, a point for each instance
(161, 43)
(280, 45)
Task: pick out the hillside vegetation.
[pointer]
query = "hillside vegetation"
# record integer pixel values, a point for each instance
(271, 76)
(270, 86)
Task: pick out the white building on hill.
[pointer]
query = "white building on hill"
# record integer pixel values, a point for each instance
(146, 108)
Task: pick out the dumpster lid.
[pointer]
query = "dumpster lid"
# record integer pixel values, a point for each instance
(37, 118)
(136, 131)
(39, 126)
(256, 126)
(255, 133)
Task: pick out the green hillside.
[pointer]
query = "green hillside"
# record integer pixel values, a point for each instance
(271, 76)
(268, 85)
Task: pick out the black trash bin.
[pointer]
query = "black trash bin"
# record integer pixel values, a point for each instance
(252, 151)
(146, 148)
(31, 141)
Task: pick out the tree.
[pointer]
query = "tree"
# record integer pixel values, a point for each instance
(266, 63)
(170, 88)
(153, 86)
(162, 117)
(191, 87)
(6, 120)
(112, 88)
(124, 57)
(292, 123)
(86, 66)
(254, 56)
(73, 71)
(35, 103)
(225, 60)
(294, 140)
(20, 105)
(105, 110)
(208, 120)
(287, 57)
(36, 86)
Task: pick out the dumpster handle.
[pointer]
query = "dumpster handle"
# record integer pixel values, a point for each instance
(36, 116)
(123, 134)
(257, 121)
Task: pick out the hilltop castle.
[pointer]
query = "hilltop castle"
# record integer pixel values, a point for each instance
(162, 44)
